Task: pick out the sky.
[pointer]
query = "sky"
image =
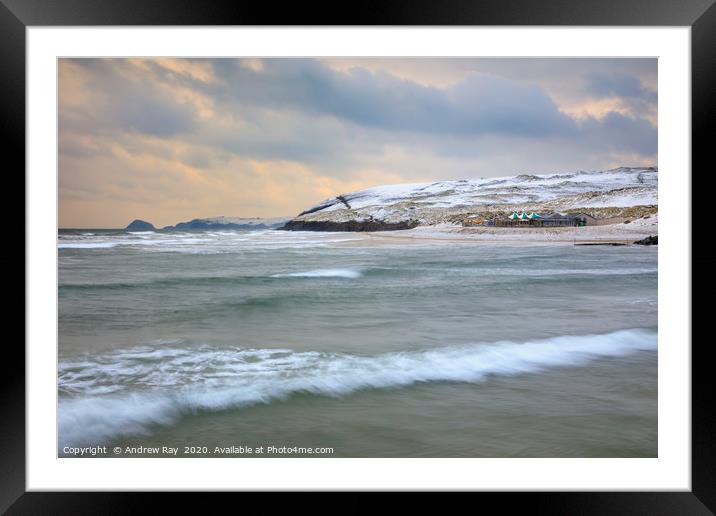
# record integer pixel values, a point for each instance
(168, 140)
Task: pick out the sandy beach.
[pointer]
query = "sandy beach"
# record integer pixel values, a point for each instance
(598, 234)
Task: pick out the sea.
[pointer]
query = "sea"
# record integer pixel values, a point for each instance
(271, 343)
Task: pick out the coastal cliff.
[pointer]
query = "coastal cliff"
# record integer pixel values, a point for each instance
(350, 225)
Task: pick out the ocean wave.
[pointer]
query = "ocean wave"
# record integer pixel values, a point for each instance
(129, 392)
(167, 282)
(322, 273)
(349, 273)
(202, 242)
(138, 240)
(211, 281)
(86, 245)
(626, 271)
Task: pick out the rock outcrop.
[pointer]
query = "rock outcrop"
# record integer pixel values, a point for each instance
(650, 240)
(140, 225)
(350, 225)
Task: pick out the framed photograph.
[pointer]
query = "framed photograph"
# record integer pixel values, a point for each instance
(439, 250)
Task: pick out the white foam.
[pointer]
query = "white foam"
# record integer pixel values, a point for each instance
(209, 242)
(322, 273)
(156, 386)
(86, 245)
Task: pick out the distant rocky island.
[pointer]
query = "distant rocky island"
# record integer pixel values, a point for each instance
(140, 225)
(213, 223)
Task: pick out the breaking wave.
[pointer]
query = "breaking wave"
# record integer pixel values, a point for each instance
(204, 242)
(323, 273)
(86, 245)
(129, 392)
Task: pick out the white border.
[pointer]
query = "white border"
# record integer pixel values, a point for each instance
(671, 470)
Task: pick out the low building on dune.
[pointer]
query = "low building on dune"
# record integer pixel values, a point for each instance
(533, 219)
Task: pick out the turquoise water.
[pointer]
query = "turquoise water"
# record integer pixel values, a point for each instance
(213, 340)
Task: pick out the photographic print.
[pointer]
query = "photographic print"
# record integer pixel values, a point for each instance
(357, 257)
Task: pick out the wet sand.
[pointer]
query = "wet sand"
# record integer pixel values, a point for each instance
(615, 234)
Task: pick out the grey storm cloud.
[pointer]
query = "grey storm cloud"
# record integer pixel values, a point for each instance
(618, 85)
(130, 104)
(478, 104)
(305, 111)
(150, 114)
(616, 132)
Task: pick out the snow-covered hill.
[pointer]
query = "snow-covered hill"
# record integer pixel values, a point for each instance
(408, 205)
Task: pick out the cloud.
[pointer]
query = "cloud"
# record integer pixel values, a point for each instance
(123, 96)
(479, 103)
(618, 85)
(616, 132)
(565, 80)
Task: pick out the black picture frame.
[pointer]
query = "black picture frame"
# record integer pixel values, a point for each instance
(700, 15)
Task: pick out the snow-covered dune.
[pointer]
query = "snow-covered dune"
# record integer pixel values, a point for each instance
(409, 205)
